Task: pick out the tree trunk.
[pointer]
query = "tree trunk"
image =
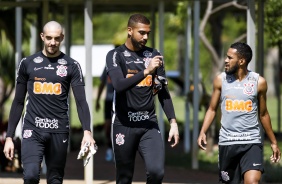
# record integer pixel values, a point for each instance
(180, 58)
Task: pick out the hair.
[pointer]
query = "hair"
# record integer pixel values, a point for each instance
(137, 18)
(243, 50)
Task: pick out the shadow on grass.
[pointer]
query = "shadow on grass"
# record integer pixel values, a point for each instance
(273, 173)
(178, 158)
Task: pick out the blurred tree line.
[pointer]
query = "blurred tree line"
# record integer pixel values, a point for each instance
(219, 29)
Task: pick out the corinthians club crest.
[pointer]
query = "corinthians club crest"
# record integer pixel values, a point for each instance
(147, 59)
(62, 70)
(119, 139)
(248, 88)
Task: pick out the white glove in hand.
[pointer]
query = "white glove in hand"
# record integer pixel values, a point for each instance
(86, 152)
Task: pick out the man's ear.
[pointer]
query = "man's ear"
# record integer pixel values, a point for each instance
(62, 37)
(242, 61)
(42, 36)
(129, 31)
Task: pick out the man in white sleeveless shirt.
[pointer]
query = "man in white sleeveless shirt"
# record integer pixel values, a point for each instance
(242, 96)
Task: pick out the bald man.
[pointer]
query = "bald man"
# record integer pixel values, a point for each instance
(46, 77)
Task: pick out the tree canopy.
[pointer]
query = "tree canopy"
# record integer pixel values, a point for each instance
(273, 21)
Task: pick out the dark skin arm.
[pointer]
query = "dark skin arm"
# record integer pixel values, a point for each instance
(265, 119)
(211, 112)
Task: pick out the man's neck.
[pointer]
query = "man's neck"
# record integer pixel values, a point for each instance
(241, 74)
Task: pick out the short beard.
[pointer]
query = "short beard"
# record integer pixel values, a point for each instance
(233, 70)
(136, 44)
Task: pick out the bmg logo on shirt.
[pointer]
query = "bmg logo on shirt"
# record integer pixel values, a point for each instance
(47, 88)
(46, 123)
(238, 105)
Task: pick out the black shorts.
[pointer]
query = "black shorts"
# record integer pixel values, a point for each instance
(108, 109)
(235, 160)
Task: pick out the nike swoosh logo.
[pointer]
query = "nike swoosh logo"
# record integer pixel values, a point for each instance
(65, 140)
(256, 164)
(35, 69)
